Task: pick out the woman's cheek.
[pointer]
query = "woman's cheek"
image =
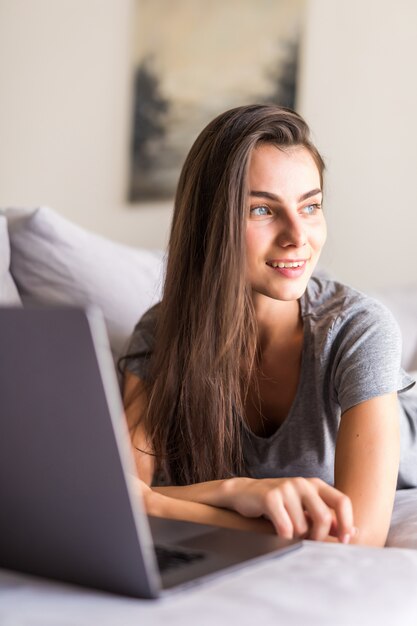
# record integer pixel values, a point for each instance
(256, 239)
(318, 236)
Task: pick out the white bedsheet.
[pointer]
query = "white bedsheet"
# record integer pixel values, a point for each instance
(320, 584)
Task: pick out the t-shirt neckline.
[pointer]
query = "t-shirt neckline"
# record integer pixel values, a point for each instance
(282, 427)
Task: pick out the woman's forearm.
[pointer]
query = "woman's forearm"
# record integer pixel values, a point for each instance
(216, 493)
(160, 505)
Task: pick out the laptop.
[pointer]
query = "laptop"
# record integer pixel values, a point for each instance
(68, 507)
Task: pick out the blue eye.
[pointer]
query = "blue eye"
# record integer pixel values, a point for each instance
(260, 211)
(310, 209)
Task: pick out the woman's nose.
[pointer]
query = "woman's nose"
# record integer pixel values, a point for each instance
(292, 232)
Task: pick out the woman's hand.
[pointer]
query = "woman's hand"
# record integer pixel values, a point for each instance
(297, 507)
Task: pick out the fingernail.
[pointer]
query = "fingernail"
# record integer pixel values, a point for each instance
(346, 538)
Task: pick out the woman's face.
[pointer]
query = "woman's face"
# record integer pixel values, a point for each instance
(286, 229)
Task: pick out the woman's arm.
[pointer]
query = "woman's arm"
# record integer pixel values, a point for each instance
(168, 507)
(366, 465)
(135, 402)
(296, 507)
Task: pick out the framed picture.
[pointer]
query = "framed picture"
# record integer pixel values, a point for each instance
(195, 59)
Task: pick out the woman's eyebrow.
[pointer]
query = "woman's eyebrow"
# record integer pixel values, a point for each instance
(273, 196)
(309, 194)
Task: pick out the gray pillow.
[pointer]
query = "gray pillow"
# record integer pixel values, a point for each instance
(56, 261)
(8, 291)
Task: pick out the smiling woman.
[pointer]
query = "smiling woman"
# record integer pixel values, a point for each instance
(257, 389)
(281, 219)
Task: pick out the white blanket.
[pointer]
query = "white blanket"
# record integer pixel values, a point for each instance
(319, 585)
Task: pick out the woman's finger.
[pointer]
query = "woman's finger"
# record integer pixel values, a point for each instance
(320, 514)
(276, 512)
(292, 501)
(342, 506)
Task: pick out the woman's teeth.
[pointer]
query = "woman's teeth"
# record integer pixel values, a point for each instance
(293, 264)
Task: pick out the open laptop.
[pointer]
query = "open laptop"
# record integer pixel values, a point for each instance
(68, 507)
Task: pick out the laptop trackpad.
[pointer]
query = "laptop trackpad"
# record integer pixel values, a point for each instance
(174, 531)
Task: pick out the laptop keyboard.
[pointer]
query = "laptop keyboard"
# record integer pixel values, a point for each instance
(172, 558)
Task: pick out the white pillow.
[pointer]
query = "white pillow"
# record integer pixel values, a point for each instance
(402, 301)
(8, 291)
(56, 261)
(403, 528)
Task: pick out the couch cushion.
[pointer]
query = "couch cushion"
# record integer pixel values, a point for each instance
(53, 260)
(8, 291)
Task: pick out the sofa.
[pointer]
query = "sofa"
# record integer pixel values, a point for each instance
(46, 258)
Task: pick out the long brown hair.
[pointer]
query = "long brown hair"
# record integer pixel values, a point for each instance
(206, 334)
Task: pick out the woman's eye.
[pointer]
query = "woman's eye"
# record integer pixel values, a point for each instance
(260, 211)
(311, 209)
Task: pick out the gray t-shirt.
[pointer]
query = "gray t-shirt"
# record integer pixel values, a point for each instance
(351, 353)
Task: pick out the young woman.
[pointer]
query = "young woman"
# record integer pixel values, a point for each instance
(258, 394)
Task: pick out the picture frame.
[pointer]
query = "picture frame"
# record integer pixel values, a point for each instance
(194, 59)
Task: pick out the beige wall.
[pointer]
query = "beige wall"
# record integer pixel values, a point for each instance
(359, 93)
(65, 98)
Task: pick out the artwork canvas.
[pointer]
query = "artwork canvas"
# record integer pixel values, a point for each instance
(195, 59)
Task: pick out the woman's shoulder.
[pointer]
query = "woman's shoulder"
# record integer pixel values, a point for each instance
(149, 319)
(143, 336)
(332, 300)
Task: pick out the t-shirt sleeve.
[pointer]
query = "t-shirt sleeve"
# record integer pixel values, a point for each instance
(142, 344)
(367, 354)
